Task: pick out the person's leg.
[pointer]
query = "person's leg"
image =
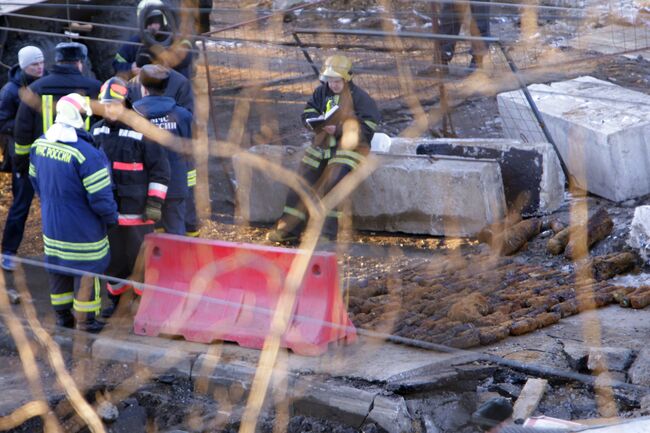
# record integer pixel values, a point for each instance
(62, 297)
(23, 193)
(480, 27)
(87, 303)
(173, 216)
(451, 19)
(191, 218)
(343, 162)
(294, 214)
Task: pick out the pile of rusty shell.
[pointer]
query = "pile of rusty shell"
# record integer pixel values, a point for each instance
(608, 266)
(512, 240)
(494, 230)
(600, 225)
(557, 243)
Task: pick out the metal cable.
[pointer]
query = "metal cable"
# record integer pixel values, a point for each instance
(537, 369)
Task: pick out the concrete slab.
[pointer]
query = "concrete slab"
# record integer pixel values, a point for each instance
(639, 237)
(260, 198)
(601, 130)
(530, 170)
(377, 362)
(416, 194)
(405, 194)
(158, 359)
(632, 41)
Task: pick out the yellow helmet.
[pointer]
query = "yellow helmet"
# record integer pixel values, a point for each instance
(337, 66)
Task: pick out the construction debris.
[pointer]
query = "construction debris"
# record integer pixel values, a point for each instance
(639, 238)
(531, 395)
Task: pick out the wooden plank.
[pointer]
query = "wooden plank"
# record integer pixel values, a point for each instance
(529, 398)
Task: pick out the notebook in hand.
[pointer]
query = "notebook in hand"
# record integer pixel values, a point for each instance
(317, 122)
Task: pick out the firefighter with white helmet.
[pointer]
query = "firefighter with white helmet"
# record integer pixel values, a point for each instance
(72, 178)
(344, 119)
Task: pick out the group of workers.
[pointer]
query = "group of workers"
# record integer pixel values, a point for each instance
(104, 182)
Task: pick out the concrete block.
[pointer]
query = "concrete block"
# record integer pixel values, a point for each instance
(639, 238)
(405, 194)
(529, 170)
(162, 360)
(601, 130)
(391, 413)
(576, 355)
(260, 197)
(155, 358)
(609, 358)
(639, 372)
(415, 194)
(114, 350)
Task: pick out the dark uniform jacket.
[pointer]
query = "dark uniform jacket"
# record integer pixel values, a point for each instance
(140, 169)
(10, 99)
(127, 54)
(73, 181)
(30, 124)
(178, 88)
(353, 103)
(163, 112)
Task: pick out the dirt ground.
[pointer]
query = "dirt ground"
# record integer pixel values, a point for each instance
(390, 279)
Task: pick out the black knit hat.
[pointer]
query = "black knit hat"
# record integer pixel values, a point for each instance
(154, 76)
(70, 52)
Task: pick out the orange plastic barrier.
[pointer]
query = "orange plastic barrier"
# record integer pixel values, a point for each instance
(214, 290)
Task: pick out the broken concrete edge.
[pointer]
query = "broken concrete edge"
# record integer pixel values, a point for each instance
(551, 194)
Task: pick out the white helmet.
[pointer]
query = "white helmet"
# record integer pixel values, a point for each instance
(70, 108)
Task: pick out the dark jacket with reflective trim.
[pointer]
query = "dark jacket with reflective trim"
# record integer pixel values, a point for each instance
(62, 80)
(163, 112)
(128, 53)
(353, 102)
(140, 168)
(10, 99)
(74, 184)
(178, 87)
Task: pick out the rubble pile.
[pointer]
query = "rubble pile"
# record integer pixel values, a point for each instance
(478, 300)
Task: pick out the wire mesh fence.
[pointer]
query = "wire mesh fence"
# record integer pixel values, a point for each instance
(260, 61)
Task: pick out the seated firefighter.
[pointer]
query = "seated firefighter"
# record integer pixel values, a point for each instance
(140, 177)
(344, 118)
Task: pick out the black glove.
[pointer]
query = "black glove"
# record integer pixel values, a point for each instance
(153, 209)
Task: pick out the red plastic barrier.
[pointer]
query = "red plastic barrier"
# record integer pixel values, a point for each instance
(217, 290)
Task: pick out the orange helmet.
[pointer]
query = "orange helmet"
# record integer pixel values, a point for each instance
(337, 66)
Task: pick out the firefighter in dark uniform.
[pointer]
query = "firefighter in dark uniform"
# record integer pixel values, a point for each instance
(72, 178)
(178, 53)
(140, 177)
(330, 158)
(36, 114)
(450, 20)
(29, 68)
(164, 112)
(179, 88)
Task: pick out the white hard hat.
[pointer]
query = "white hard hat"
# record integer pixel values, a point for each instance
(70, 108)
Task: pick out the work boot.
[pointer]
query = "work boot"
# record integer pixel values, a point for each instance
(280, 236)
(91, 326)
(64, 319)
(111, 307)
(492, 412)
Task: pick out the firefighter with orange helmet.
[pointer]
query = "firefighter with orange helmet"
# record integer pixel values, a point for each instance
(343, 118)
(140, 177)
